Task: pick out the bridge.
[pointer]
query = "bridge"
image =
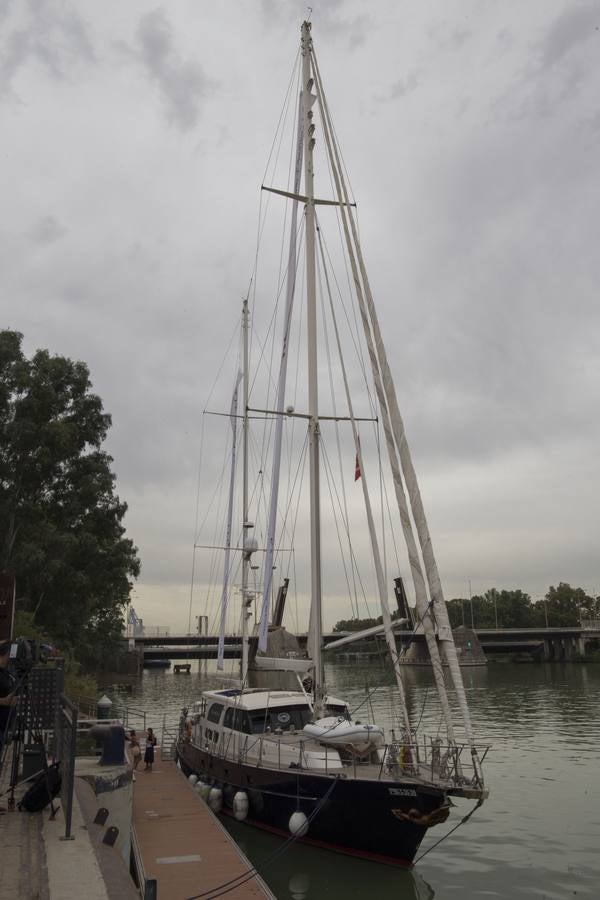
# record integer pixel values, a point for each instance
(548, 643)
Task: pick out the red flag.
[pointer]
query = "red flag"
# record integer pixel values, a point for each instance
(357, 472)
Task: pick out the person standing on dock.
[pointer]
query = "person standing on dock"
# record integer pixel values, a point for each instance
(149, 754)
(136, 752)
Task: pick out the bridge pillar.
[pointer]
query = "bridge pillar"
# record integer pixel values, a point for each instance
(548, 650)
(581, 645)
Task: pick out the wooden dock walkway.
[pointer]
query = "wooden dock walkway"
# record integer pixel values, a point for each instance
(181, 842)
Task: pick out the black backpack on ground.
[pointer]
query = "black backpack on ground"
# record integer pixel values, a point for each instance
(43, 790)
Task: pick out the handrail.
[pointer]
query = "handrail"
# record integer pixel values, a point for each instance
(396, 760)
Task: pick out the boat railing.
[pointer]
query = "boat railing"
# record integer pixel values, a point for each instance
(429, 759)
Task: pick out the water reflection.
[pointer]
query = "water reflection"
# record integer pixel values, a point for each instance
(309, 873)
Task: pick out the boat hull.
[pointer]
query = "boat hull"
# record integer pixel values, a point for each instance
(360, 817)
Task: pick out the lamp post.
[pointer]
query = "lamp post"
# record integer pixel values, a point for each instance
(471, 602)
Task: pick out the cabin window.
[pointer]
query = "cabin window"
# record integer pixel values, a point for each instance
(228, 721)
(242, 722)
(337, 709)
(214, 713)
(279, 718)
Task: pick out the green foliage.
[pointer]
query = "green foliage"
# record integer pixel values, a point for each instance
(566, 605)
(563, 606)
(61, 526)
(360, 624)
(77, 684)
(356, 624)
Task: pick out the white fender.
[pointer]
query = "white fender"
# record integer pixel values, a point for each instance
(204, 790)
(298, 824)
(215, 799)
(192, 778)
(240, 805)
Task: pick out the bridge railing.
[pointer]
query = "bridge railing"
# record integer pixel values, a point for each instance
(590, 624)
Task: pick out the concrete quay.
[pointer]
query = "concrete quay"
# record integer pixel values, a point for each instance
(36, 863)
(178, 843)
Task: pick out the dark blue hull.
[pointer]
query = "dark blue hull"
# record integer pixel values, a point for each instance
(361, 817)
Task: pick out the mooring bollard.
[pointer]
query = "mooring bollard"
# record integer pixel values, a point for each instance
(103, 707)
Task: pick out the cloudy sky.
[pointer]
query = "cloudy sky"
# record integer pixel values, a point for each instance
(134, 139)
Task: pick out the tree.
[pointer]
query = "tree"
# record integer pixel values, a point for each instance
(566, 606)
(61, 528)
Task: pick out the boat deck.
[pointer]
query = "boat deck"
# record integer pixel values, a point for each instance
(181, 843)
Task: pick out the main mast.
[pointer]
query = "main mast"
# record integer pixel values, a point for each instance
(248, 543)
(316, 629)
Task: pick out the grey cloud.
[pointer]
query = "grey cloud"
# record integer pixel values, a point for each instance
(574, 26)
(47, 230)
(327, 19)
(183, 83)
(404, 86)
(448, 38)
(52, 34)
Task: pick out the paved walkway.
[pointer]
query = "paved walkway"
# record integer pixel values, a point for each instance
(182, 843)
(36, 864)
(23, 873)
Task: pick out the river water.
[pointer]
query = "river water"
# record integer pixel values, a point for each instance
(538, 834)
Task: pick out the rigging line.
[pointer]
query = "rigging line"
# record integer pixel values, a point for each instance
(217, 492)
(391, 526)
(236, 882)
(354, 560)
(196, 516)
(218, 487)
(373, 541)
(354, 334)
(452, 830)
(418, 725)
(271, 326)
(331, 125)
(271, 381)
(381, 493)
(329, 476)
(262, 218)
(287, 106)
(400, 456)
(334, 319)
(298, 474)
(282, 112)
(221, 365)
(320, 273)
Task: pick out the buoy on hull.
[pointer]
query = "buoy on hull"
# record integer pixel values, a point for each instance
(298, 824)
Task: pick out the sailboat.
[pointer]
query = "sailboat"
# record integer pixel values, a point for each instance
(294, 761)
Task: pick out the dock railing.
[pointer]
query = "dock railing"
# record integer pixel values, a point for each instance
(129, 716)
(65, 751)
